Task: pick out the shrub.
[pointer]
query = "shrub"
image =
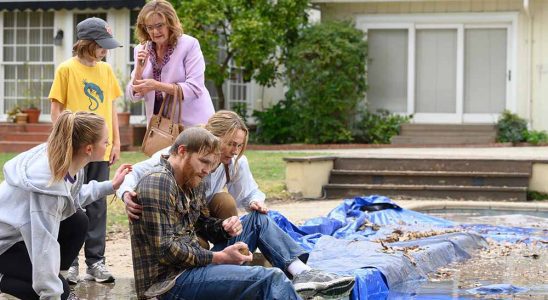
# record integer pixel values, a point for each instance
(378, 128)
(278, 124)
(536, 137)
(326, 79)
(511, 128)
(326, 73)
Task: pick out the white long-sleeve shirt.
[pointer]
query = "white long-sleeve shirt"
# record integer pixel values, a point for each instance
(32, 208)
(242, 185)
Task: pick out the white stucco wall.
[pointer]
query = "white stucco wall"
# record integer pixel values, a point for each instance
(539, 72)
(63, 21)
(119, 22)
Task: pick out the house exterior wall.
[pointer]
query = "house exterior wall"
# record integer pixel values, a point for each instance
(539, 64)
(531, 70)
(265, 97)
(119, 22)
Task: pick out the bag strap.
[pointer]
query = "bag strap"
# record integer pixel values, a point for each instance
(176, 105)
(161, 112)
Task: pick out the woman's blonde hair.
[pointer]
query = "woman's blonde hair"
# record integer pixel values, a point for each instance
(225, 123)
(85, 49)
(70, 132)
(166, 11)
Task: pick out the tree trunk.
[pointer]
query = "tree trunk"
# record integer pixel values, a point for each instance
(220, 96)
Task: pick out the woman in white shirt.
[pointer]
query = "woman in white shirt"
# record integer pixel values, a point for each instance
(233, 172)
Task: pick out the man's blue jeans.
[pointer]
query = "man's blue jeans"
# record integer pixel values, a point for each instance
(244, 282)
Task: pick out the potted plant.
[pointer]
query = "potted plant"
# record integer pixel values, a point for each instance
(21, 118)
(15, 115)
(32, 110)
(124, 111)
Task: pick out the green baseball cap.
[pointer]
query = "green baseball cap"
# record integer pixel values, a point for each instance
(97, 30)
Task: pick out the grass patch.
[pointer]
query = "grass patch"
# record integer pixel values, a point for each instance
(115, 207)
(4, 157)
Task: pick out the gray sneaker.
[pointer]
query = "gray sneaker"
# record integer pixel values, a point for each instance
(72, 275)
(98, 272)
(315, 283)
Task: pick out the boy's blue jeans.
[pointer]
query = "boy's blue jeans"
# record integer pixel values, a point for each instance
(245, 282)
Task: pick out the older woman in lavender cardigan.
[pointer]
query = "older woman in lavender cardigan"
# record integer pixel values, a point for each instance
(166, 56)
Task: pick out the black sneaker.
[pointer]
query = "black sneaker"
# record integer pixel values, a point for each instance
(314, 283)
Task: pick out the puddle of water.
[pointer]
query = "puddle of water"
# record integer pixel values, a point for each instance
(448, 290)
(124, 288)
(538, 219)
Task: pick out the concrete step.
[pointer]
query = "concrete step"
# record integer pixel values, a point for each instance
(16, 146)
(445, 134)
(26, 136)
(442, 139)
(486, 128)
(429, 178)
(452, 134)
(454, 165)
(427, 191)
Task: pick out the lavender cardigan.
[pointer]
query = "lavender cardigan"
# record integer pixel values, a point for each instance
(185, 67)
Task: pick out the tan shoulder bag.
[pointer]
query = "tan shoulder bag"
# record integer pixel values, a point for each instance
(162, 130)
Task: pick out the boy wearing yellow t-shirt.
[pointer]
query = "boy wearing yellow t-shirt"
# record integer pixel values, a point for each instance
(85, 83)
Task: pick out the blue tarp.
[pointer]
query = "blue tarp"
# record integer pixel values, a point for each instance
(346, 241)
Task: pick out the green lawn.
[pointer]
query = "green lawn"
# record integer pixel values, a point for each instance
(268, 169)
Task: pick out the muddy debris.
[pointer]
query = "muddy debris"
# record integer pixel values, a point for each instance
(367, 224)
(398, 235)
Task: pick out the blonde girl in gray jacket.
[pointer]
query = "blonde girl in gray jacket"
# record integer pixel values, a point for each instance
(44, 186)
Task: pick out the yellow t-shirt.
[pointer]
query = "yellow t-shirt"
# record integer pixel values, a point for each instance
(82, 88)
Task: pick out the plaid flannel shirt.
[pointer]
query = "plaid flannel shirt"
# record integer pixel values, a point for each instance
(163, 240)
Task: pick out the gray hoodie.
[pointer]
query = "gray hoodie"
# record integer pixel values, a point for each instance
(31, 211)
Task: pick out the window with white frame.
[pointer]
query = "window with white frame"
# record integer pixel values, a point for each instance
(27, 59)
(485, 57)
(450, 71)
(387, 69)
(137, 109)
(238, 93)
(435, 70)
